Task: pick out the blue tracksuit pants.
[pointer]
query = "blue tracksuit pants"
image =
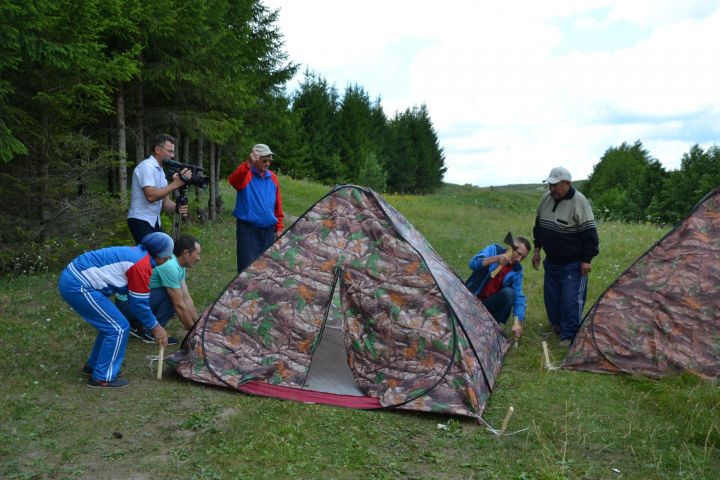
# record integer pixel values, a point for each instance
(95, 308)
(565, 291)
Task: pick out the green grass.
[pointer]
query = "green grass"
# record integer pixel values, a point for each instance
(579, 425)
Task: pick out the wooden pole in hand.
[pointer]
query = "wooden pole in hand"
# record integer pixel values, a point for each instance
(160, 362)
(508, 255)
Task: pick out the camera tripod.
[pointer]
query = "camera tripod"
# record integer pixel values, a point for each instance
(180, 200)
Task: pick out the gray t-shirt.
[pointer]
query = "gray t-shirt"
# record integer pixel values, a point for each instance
(147, 174)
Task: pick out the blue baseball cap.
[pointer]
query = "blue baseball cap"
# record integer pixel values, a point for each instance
(159, 244)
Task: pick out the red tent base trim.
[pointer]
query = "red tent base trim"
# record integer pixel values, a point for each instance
(309, 396)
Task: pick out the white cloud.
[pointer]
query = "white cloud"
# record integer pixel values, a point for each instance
(659, 12)
(510, 88)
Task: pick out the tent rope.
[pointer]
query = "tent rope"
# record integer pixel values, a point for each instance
(153, 359)
(497, 432)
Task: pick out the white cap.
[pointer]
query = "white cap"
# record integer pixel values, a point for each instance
(557, 175)
(262, 150)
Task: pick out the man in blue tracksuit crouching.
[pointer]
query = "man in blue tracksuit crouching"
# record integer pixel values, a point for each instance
(87, 282)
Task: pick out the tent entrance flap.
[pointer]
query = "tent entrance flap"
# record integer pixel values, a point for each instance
(329, 371)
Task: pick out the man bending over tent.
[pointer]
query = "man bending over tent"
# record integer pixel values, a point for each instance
(169, 294)
(88, 281)
(497, 280)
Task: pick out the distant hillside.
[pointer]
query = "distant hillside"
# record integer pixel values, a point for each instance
(579, 184)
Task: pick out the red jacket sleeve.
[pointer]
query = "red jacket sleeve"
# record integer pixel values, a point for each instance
(278, 205)
(241, 177)
(139, 292)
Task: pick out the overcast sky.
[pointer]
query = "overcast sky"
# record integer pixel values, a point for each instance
(516, 88)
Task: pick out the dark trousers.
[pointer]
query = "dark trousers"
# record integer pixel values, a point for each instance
(140, 228)
(160, 305)
(252, 241)
(500, 304)
(565, 291)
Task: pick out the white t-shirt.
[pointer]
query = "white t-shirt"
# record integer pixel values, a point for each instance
(147, 174)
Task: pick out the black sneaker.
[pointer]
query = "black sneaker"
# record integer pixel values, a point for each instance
(136, 332)
(555, 331)
(117, 383)
(88, 370)
(148, 337)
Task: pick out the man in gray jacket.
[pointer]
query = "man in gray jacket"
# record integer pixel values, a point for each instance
(565, 229)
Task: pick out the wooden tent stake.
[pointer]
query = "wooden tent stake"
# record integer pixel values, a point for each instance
(506, 421)
(160, 362)
(546, 355)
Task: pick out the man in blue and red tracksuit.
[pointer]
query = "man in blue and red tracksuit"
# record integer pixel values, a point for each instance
(497, 280)
(258, 205)
(87, 282)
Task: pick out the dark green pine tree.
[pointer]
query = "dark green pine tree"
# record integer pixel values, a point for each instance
(315, 107)
(354, 124)
(62, 84)
(417, 163)
(263, 71)
(431, 160)
(380, 135)
(10, 60)
(216, 74)
(402, 161)
(285, 137)
(373, 174)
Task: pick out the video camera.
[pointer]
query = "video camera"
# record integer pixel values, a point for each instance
(197, 179)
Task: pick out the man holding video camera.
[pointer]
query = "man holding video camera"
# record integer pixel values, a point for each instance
(150, 191)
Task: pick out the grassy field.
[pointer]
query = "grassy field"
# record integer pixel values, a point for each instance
(578, 425)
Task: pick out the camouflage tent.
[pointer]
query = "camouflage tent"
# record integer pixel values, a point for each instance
(350, 306)
(662, 315)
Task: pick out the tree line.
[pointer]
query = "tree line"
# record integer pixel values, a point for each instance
(85, 84)
(629, 184)
(349, 138)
